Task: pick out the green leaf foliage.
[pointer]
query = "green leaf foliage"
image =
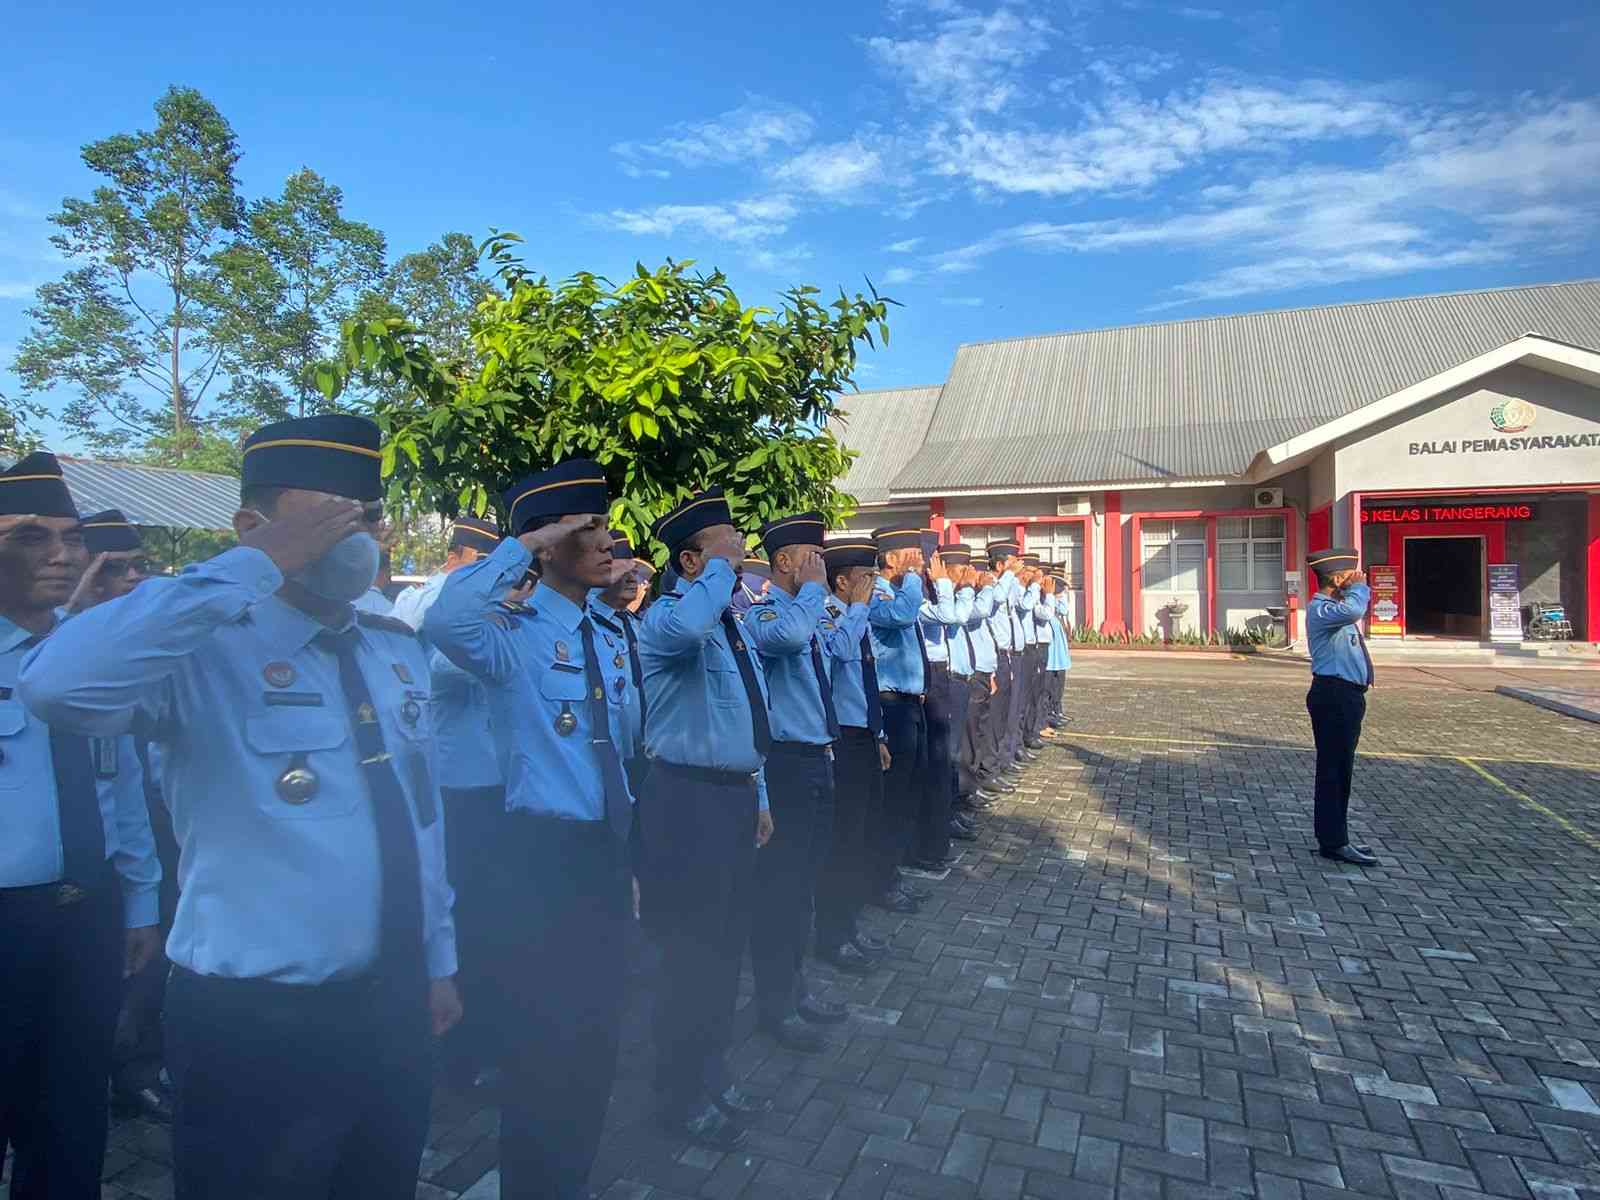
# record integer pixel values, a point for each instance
(667, 380)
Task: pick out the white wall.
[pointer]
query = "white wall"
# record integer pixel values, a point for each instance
(866, 520)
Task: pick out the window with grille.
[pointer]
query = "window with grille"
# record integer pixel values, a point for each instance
(1060, 544)
(1250, 554)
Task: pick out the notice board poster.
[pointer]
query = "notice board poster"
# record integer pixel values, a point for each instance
(1384, 579)
(1505, 602)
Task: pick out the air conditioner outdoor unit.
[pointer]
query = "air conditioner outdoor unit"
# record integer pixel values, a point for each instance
(1071, 506)
(1269, 497)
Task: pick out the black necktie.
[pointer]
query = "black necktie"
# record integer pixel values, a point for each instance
(619, 812)
(1372, 676)
(869, 681)
(83, 830)
(760, 726)
(400, 935)
(927, 670)
(972, 654)
(827, 690)
(634, 668)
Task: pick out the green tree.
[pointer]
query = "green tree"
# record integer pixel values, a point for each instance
(303, 270)
(17, 417)
(436, 291)
(667, 380)
(129, 327)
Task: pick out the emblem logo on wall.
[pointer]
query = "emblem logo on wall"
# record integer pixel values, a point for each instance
(1512, 416)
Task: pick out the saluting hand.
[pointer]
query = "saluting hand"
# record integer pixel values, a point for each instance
(936, 568)
(537, 541)
(297, 539)
(812, 569)
(861, 589)
(88, 587)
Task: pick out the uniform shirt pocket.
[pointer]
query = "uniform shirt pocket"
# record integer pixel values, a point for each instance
(13, 724)
(309, 774)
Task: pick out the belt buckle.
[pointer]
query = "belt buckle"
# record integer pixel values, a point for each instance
(68, 894)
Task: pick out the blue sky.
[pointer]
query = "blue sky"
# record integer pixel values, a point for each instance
(1001, 169)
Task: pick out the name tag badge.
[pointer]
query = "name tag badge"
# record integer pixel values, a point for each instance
(292, 699)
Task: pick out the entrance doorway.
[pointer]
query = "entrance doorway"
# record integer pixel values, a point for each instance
(1444, 586)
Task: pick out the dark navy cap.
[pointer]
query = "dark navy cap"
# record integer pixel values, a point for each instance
(895, 537)
(802, 529)
(110, 532)
(759, 567)
(699, 512)
(956, 552)
(999, 550)
(575, 487)
(34, 488)
(475, 533)
(1333, 560)
(845, 553)
(335, 453)
(621, 547)
(1032, 560)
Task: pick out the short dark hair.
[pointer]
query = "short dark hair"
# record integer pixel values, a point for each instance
(262, 498)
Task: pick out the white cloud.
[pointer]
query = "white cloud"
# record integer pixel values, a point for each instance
(905, 247)
(899, 275)
(1459, 189)
(17, 289)
(966, 62)
(748, 132)
(1128, 142)
(742, 222)
(834, 171)
(962, 301)
(779, 259)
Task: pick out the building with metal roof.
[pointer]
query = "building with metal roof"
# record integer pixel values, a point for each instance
(152, 497)
(1179, 469)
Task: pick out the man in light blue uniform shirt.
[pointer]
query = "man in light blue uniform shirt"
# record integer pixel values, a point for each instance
(861, 756)
(559, 869)
(785, 629)
(613, 608)
(702, 813)
(903, 673)
(942, 617)
(472, 790)
(1058, 659)
(313, 945)
(1341, 673)
(79, 877)
(976, 788)
(1004, 559)
(1026, 736)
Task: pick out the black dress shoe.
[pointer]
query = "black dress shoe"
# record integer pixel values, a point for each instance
(847, 958)
(1354, 855)
(1031, 755)
(794, 1034)
(963, 833)
(983, 797)
(709, 1127)
(934, 865)
(739, 1103)
(872, 947)
(915, 891)
(821, 1012)
(1005, 787)
(1034, 744)
(152, 1103)
(897, 902)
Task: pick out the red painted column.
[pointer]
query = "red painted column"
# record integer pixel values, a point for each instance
(1291, 562)
(936, 516)
(1319, 531)
(1591, 590)
(1211, 575)
(1136, 575)
(1115, 569)
(1087, 582)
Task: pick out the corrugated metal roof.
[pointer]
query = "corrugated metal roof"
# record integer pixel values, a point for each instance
(887, 427)
(152, 495)
(1198, 399)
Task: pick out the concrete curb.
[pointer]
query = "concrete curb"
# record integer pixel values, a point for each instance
(1585, 706)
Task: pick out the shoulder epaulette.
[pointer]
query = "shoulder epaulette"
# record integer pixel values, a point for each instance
(520, 608)
(374, 620)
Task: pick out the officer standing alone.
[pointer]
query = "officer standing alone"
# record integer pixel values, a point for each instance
(78, 869)
(313, 944)
(1341, 673)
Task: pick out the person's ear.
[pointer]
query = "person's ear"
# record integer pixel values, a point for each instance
(246, 520)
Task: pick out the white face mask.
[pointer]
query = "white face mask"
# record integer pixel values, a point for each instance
(345, 572)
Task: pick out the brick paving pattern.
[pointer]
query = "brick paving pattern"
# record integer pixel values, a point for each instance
(1141, 983)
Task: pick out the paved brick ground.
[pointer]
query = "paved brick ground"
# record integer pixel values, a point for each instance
(1140, 982)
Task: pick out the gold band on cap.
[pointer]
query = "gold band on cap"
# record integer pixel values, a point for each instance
(1326, 556)
(106, 525)
(849, 544)
(545, 487)
(315, 444)
(667, 521)
(896, 533)
(788, 521)
(22, 478)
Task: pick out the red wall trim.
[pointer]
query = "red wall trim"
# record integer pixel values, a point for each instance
(1116, 619)
(1591, 630)
(936, 516)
